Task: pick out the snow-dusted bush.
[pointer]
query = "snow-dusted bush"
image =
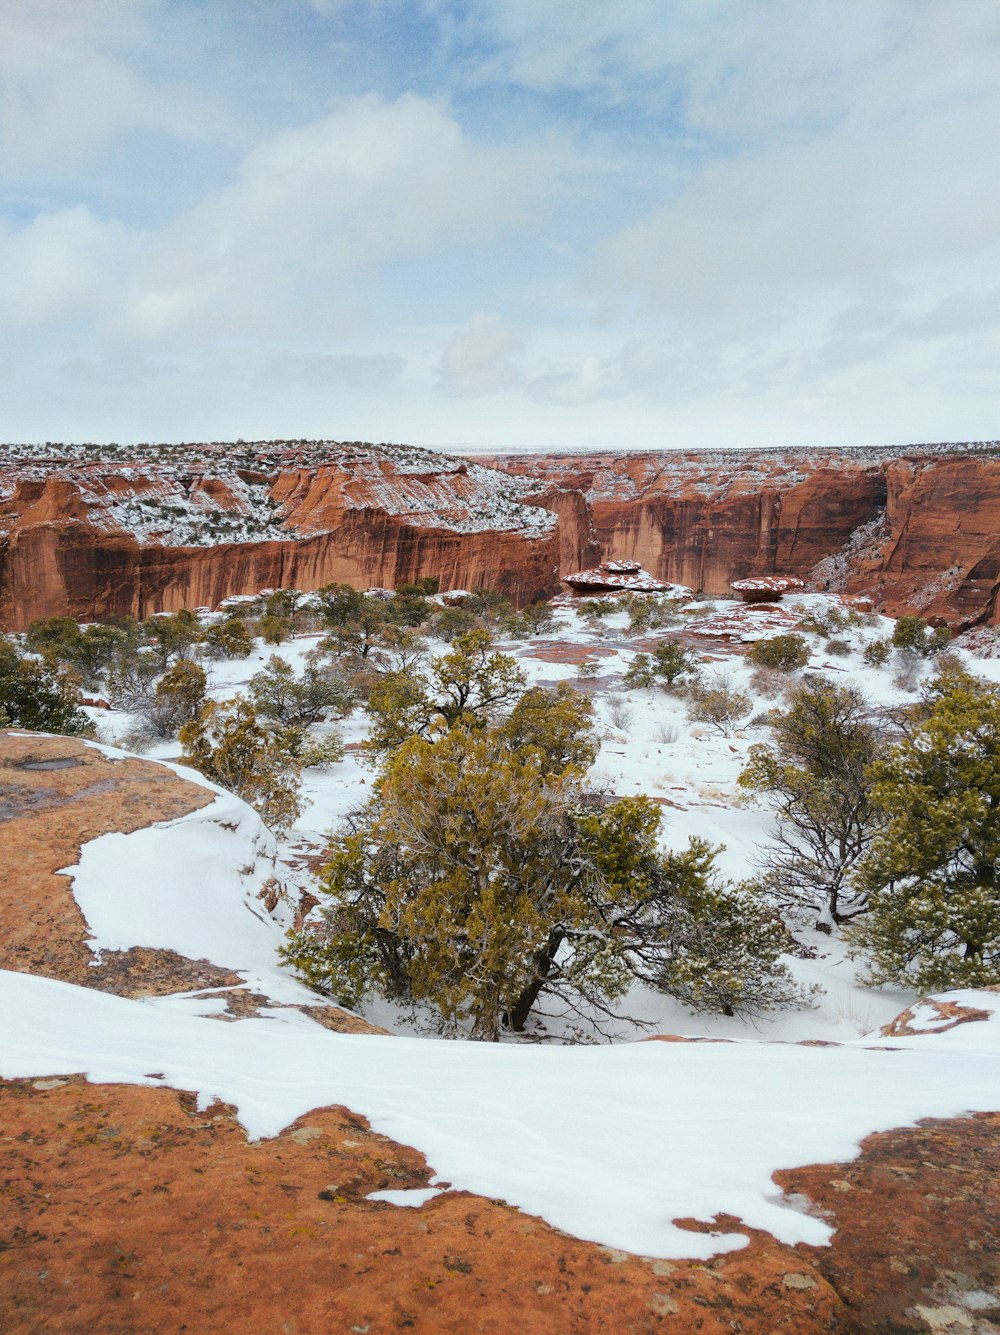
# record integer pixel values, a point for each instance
(619, 713)
(716, 701)
(228, 639)
(647, 611)
(908, 669)
(666, 733)
(770, 683)
(877, 653)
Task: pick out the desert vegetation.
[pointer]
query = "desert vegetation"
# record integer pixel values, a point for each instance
(496, 879)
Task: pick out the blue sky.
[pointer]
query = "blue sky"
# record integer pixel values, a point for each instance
(501, 224)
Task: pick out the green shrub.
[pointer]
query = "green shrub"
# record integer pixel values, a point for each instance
(783, 652)
(670, 664)
(38, 697)
(877, 653)
(274, 629)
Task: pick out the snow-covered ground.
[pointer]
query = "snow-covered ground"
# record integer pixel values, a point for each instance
(648, 745)
(611, 1142)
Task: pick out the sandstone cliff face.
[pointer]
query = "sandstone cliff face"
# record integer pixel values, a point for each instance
(705, 520)
(95, 540)
(938, 552)
(75, 569)
(917, 532)
(93, 536)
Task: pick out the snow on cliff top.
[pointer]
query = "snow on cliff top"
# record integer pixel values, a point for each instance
(166, 494)
(627, 474)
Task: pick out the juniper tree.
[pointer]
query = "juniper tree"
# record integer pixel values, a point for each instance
(274, 629)
(173, 636)
(556, 724)
(783, 652)
(482, 882)
(38, 697)
(669, 663)
(179, 697)
(471, 685)
(229, 639)
(338, 604)
(912, 632)
(933, 872)
(360, 634)
(814, 772)
(62, 642)
(228, 744)
(281, 695)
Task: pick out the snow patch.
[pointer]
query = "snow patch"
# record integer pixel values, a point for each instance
(611, 1144)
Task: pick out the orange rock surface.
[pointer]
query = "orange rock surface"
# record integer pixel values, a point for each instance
(127, 1211)
(57, 793)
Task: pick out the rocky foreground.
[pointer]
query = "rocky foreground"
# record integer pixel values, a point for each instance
(139, 1204)
(96, 532)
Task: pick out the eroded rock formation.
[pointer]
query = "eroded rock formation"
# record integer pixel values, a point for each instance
(615, 577)
(100, 532)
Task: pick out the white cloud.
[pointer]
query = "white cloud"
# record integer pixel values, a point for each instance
(358, 370)
(694, 222)
(58, 267)
(479, 359)
(317, 208)
(70, 80)
(731, 70)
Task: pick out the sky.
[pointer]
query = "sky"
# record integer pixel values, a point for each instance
(500, 224)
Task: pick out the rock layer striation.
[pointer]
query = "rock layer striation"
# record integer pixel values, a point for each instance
(103, 532)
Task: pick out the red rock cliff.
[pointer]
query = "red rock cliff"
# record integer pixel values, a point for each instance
(97, 539)
(92, 534)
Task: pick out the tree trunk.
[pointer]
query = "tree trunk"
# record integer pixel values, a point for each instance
(517, 1016)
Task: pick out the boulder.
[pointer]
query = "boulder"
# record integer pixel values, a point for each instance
(766, 588)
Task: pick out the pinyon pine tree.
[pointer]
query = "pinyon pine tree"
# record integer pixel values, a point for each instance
(933, 874)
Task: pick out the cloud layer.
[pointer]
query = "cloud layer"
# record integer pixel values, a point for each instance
(458, 222)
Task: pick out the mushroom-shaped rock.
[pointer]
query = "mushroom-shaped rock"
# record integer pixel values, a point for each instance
(766, 588)
(617, 577)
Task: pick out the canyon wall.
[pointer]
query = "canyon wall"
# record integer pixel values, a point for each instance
(93, 536)
(937, 552)
(706, 519)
